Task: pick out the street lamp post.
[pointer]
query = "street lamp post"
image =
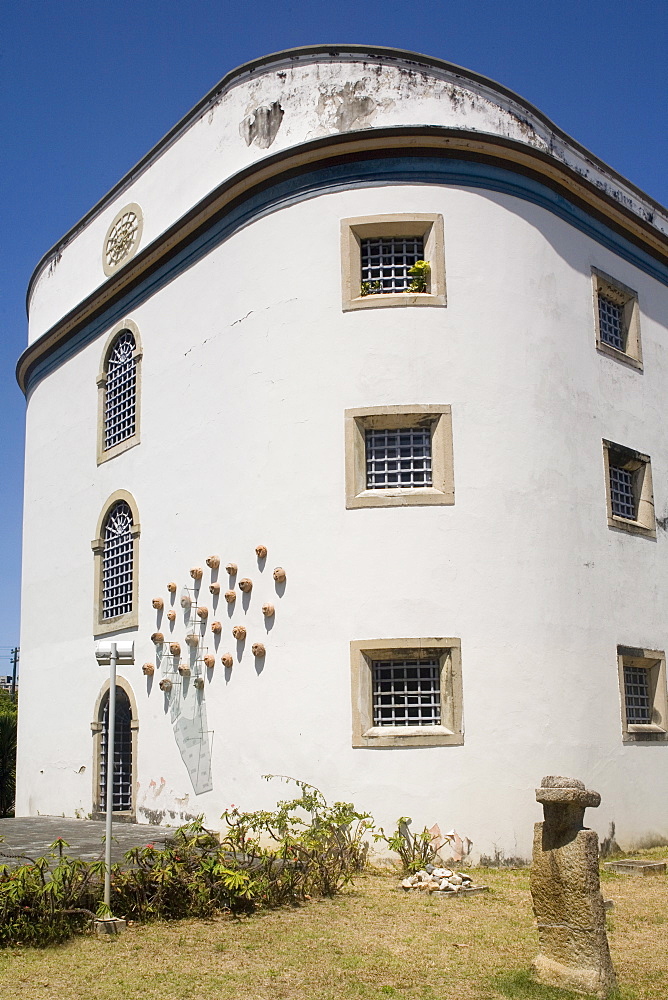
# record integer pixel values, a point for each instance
(111, 653)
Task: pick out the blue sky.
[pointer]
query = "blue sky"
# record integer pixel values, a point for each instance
(89, 86)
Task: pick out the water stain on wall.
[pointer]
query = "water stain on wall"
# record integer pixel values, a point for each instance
(261, 126)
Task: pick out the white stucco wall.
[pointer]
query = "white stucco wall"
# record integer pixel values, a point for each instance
(246, 375)
(320, 96)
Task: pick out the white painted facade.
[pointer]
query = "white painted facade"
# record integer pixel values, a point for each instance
(248, 365)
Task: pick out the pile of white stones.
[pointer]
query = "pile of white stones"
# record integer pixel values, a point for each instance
(432, 879)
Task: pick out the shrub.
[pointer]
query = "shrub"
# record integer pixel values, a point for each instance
(8, 716)
(48, 899)
(315, 848)
(303, 848)
(414, 849)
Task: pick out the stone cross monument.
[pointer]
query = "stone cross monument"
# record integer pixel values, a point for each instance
(566, 892)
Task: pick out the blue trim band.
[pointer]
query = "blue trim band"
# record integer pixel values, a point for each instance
(382, 171)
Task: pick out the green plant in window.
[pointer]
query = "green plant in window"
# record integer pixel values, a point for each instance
(419, 272)
(369, 287)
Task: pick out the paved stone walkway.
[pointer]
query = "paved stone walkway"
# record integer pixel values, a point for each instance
(33, 835)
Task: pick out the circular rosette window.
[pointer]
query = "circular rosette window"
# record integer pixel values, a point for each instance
(122, 239)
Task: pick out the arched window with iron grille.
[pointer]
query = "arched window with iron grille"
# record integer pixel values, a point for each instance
(117, 562)
(120, 398)
(123, 763)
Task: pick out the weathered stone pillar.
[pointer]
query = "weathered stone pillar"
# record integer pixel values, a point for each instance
(566, 892)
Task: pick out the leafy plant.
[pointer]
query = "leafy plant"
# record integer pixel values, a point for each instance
(369, 287)
(8, 719)
(414, 849)
(48, 899)
(305, 847)
(419, 272)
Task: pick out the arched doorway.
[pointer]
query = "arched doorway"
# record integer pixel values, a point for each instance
(124, 753)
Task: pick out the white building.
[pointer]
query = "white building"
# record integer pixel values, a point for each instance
(205, 375)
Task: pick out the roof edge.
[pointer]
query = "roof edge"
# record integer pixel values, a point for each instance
(511, 154)
(332, 51)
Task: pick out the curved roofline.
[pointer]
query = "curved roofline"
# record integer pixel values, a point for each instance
(610, 223)
(308, 51)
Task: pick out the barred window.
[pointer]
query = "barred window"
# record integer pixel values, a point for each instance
(120, 403)
(611, 322)
(386, 262)
(406, 692)
(644, 696)
(117, 562)
(617, 319)
(637, 695)
(399, 457)
(622, 496)
(122, 781)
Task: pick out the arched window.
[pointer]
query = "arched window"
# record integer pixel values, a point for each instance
(116, 549)
(122, 787)
(126, 727)
(120, 402)
(117, 562)
(119, 383)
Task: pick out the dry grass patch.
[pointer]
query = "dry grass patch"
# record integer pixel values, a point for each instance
(370, 943)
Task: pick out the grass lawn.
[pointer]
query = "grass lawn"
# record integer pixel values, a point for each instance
(372, 942)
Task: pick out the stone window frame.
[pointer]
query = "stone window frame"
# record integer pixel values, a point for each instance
(96, 727)
(627, 299)
(354, 230)
(362, 654)
(654, 661)
(135, 439)
(359, 419)
(640, 465)
(103, 626)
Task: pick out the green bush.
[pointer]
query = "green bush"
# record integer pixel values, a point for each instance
(414, 849)
(303, 848)
(8, 717)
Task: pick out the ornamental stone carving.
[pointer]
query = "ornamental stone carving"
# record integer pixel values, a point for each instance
(122, 239)
(566, 892)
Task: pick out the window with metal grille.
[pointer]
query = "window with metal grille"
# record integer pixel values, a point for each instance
(117, 562)
(400, 457)
(120, 403)
(406, 693)
(611, 322)
(387, 260)
(637, 695)
(122, 780)
(622, 496)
